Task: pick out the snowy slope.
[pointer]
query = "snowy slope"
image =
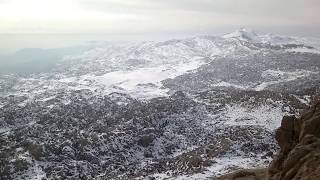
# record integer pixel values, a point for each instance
(139, 68)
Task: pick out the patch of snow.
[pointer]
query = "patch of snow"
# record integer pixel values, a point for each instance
(4, 130)
(48, 98)
(311, 41)
(266, 116)
(68, 80)
(264, 85)
(278, 40)
(249, 35)
(278, 76)
(226, 84)
(223, 165)
(142, 82)
(180, 151)
(304, 50)
(34, 172)
(22, 104)
(305, 99)
(160, 176)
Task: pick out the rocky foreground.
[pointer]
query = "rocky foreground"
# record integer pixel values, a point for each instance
(299, 154)
(299, 140)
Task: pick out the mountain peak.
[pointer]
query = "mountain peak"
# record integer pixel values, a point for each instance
(243, 34)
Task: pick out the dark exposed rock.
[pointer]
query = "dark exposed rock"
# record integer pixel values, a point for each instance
(146, 140)
(35, 150)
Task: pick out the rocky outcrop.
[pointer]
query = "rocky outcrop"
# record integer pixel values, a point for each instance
(299, 141)
(299, 154)
(246, 174)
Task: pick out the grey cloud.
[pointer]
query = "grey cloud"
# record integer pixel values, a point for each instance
(251, 9)
(193, 15)
(226, 6)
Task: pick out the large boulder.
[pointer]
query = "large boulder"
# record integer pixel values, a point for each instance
(299, 141)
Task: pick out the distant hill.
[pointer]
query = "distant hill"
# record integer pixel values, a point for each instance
(35, 60)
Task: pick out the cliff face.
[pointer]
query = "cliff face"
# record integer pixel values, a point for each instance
(299, 141)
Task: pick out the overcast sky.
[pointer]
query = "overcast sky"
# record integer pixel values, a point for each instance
(154, 16)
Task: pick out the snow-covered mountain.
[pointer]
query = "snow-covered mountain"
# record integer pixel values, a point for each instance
(139, 68)
(190, 108)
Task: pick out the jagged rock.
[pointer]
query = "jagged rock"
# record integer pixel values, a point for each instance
(299, 141)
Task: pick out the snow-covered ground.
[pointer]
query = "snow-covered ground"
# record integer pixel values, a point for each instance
(265, 116)
(278, 76)
(130, 106)
(222, 165)
(305, 50)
